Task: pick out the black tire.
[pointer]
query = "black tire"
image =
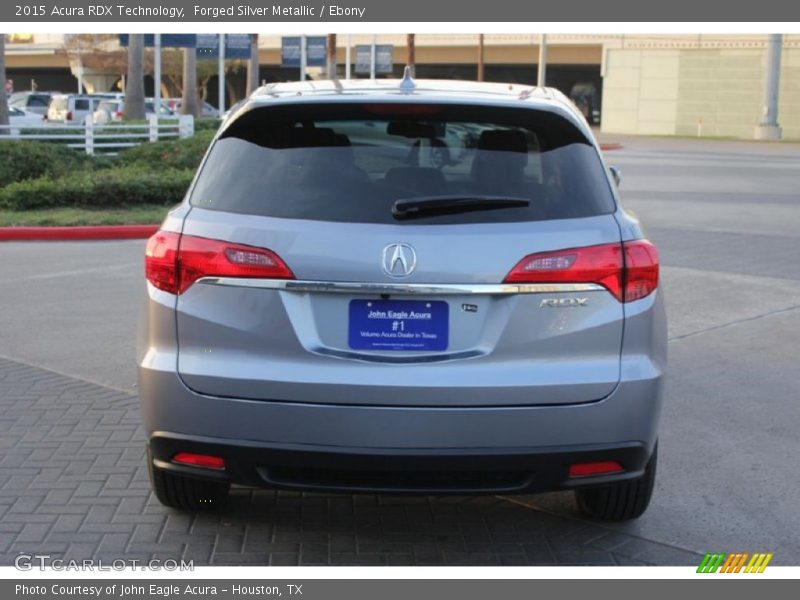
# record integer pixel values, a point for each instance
(619, 501)
(186, 493)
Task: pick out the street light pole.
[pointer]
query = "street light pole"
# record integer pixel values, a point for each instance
(372, 57)
(157, 74)
(347, 58)
(303, 57)
(80, 75)
(768, 128)
(542, 79)
(221, 74)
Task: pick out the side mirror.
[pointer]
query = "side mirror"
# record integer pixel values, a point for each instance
(616, 174)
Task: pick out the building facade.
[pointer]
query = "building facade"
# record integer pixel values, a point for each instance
(708, 85)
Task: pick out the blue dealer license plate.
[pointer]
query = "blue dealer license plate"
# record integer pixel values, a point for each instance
(408, 325)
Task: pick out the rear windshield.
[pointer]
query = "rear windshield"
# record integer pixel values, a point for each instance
(352, 163)
(38, 100)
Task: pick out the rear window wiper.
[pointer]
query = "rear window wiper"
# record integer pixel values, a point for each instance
(411, 208)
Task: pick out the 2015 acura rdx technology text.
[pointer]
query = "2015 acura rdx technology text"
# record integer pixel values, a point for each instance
(403, 287)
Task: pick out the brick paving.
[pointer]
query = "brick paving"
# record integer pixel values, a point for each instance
(73, 485)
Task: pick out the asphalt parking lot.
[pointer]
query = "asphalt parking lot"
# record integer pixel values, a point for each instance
(726, 218)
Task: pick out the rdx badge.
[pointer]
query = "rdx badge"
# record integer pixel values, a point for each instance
(562, 302)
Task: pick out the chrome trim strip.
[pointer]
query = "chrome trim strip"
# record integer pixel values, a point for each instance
(417, 289)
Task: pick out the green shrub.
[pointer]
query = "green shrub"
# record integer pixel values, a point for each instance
(168, 154)
(206, 124)
(112, 187)
(27, 159)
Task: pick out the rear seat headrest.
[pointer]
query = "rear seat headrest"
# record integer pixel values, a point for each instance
(503, 140)
(314, 137)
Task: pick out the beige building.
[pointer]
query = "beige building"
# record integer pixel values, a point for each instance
(708, 85)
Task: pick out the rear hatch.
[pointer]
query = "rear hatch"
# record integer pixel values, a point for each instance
(404, 231)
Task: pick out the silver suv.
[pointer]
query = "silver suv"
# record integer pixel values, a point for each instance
(334, 308)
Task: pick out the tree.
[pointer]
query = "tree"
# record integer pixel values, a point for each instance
(189, 104)
(98, 53)
(481, 59)
(252, 65)
(411, 57)
(330, 57)
(134, 82)
(3, 98)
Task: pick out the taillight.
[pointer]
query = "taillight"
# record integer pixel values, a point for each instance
(628, 270)
(592, 264)
(174, 262)
(161, 260)
(199, 460)
(603, 467)
(69, 115)
(641, 269)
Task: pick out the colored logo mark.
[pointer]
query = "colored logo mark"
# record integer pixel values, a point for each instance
(734, 563)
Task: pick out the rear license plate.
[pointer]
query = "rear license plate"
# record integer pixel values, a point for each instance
(409, 325)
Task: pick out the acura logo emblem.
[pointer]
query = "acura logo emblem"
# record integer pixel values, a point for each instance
(399, 260)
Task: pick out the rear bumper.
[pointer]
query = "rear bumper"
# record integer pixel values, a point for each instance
(500, 470)
(413, 448)
(400, 449)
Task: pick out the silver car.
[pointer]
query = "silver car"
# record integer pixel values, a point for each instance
(327, 315)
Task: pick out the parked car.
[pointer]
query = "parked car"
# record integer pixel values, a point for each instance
(207, 110)
(72, 109)
(323, 315)
(32, 102)
(22, 119)
(112, 110)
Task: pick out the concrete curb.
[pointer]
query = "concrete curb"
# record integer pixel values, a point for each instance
(93, 232)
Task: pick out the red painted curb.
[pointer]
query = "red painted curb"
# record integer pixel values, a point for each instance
(610, 146)
(93, 232)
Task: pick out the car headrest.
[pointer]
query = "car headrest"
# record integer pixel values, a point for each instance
(503, 140)
(312, 137)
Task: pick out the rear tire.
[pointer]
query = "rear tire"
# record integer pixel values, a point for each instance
(186, 493)
(619, 501)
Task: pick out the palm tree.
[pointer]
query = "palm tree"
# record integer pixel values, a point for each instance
(3, 98)
(134, 82)
(411, 58)
(330, 57)
(480, 57)
(189, 104)
(252, 65)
